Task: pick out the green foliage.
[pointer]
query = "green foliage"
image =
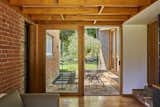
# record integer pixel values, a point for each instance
(73, 48)
(92, 46)
(64, 37)
(91, 32)
(65, 34)
(69, 47)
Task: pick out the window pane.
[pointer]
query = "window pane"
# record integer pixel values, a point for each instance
(49, 45)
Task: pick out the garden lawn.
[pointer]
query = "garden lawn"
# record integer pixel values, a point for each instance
(74, 67)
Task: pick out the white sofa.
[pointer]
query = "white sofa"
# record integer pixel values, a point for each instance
(14, 99)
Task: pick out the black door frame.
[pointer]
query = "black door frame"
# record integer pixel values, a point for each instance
(26, 57)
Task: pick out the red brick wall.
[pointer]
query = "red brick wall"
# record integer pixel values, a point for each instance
(52, 62)
(11, 49)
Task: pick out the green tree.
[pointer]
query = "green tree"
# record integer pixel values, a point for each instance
(91, 32)
(92, 46)
(64, 37)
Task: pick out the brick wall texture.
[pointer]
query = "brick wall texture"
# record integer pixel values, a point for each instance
(11, 49)
(52, 62)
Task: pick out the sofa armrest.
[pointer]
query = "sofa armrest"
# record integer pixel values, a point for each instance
(40, 100)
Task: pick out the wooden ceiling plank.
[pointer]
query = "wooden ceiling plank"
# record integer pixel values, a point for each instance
(16, 2)
(79, 22)
(57, 10)
(58, 26)
(80, 10)
(105, 2)
(79, 17)
(112, 3)
(97, 17)
(39, 2)
(120, 11)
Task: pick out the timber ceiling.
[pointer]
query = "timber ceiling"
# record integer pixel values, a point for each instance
(101, 12)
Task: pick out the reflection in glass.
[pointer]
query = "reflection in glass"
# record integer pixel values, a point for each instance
(62, 68)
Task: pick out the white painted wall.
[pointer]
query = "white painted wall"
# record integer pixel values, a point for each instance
(134, 57)
(147, 15)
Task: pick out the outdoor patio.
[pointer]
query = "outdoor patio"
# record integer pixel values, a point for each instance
(106, 83)
(64, 82)
(97, 82)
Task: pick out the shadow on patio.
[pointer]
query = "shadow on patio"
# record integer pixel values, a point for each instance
(101, 82)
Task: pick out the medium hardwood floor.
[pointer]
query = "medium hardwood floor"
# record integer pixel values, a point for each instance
(99, 101)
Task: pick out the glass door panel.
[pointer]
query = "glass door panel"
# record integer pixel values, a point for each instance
(62, 61)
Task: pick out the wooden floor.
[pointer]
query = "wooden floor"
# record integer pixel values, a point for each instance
(99, 101)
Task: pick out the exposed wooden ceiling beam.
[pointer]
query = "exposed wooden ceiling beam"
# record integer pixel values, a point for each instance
(58, 26)
(80, 17)
(79, 10)
(82, 2)
(16, 2)
(33, 2)
(114, 3)
(152, 1)
(105, 2)
(119, 11)
(59, 10)
(80, 22)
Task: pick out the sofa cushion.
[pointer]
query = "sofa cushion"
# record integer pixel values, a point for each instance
(40, 100)
(12, 99)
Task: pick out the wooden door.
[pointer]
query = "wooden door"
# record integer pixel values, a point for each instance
(152, 43)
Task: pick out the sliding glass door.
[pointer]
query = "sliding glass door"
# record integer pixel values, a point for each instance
(62, 61)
